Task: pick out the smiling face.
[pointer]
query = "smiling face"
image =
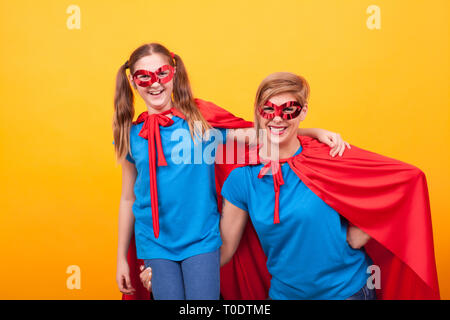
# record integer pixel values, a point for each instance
(278, 130)
(158, 95)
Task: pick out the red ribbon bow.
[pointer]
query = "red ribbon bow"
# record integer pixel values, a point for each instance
(150, 131)
(275, 167)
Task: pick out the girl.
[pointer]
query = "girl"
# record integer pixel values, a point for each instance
(170, 200)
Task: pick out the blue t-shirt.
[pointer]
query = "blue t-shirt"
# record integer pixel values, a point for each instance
(188, 214)
(307, 252)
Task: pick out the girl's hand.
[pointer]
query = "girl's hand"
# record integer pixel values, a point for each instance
(146, 277)
(333, 140)
(356, 238)
(123, 277)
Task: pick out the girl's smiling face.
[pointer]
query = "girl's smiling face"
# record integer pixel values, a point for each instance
(158, 96)
(278, 130)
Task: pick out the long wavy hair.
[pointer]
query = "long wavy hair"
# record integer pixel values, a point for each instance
(124, 110)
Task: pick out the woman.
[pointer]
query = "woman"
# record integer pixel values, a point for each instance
(306, 206)
(154, 181)
(304, 239)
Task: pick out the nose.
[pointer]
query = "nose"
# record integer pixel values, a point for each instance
(155, 85)
(277, 119)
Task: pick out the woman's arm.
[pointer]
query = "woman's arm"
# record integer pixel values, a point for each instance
(126, 224)
(232, 224)
(332, 139)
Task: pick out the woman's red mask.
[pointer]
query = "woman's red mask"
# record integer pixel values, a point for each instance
(145, 78)
(286, 111)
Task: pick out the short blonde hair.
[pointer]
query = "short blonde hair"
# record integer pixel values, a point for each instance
(277, 83)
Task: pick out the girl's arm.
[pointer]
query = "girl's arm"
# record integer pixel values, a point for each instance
(332, 139)
(232, 224)
(356, 238)
(126, 224)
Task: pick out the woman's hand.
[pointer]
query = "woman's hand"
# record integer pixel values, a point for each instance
(123, 277)
(146, 277)
(356, 238)
(332, 139)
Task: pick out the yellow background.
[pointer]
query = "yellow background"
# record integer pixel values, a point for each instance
(384, 90)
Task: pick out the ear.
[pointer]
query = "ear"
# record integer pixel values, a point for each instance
(130, 77)
(303, 112)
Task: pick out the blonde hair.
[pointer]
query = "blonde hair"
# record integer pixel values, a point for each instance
(277, 83)
(124, 99)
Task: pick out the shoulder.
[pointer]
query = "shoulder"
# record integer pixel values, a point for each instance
(203, 104)
(242, 174)
(235, 176)
(208, 109)
(134, 133)
(238, 171)
(312, 143)
(235, 186)
(135, 127)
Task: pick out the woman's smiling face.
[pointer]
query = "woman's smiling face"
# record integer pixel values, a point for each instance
(278, 130)
(157, 96)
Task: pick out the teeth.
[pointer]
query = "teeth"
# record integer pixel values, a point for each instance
(277, 129)
(155, 93)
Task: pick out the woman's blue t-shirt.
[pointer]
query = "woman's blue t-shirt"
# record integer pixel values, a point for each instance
(188, 214)
(307, 252)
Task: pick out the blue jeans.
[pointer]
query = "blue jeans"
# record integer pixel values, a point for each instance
(195, 278)
(364, 294)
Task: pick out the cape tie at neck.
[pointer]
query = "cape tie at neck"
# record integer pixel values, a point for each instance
(150, 131)
(275, 167)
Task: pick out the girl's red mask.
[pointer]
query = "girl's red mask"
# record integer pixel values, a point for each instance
(145, 78)
(287, 111)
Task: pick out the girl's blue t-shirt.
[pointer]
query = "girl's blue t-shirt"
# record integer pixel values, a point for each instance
(307, 252)
(188, 213)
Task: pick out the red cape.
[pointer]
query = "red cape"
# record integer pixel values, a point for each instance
(386, 198)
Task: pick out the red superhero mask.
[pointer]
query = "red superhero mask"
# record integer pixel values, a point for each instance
(145, 78)
(287, 111)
